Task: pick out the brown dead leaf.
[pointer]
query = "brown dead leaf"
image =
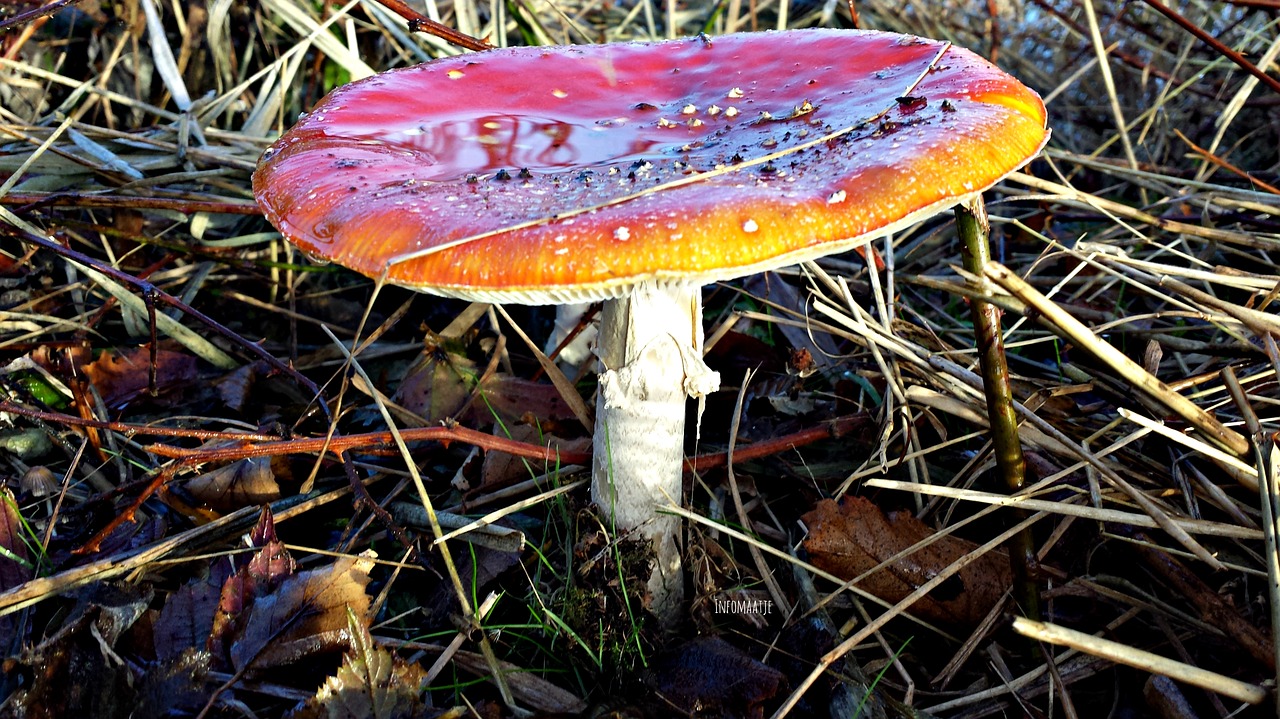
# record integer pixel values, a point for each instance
(305, 615)
(234, 388)
(121, 375)
(511, 399)
(500, 467)
(186, 620)
(709, 677)
(372, 683)
(15, 566)
(439, 385)
(852, 537)
(243, 483)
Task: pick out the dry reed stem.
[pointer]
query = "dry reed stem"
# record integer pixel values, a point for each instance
(1139, 659)
(1126, 368)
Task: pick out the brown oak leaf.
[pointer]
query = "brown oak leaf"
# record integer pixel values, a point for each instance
(852, 537)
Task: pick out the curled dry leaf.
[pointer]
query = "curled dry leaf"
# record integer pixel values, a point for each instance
(242, 483)
(372, 683)
(305, 615)
(852, 537)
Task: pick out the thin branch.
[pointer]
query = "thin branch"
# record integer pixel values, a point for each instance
(1214, 43)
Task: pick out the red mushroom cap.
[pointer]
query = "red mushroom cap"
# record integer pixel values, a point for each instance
(540, 175)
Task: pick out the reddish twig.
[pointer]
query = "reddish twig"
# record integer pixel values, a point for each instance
(151, 294)
(339, 445)
(342, 444)
(163, 475)
(1218, 161)
(421, 23)
(1213, 42)
(838, 427)
(132, 429)
(348, 442)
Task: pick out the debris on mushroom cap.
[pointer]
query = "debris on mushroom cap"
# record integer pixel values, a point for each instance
(401, 171)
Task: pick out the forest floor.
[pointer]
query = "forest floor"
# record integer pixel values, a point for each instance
(205, 511)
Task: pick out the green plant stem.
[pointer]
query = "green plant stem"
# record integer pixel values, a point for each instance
(974, 229)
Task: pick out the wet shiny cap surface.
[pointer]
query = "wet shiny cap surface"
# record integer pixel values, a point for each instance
(540, 175)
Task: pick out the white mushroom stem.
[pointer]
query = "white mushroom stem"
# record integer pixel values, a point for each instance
(650, 348)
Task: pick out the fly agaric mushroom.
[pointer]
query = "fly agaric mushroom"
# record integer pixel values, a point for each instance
(636, 173)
